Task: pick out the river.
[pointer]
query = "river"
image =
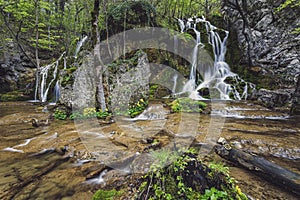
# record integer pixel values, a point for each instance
(57, 161)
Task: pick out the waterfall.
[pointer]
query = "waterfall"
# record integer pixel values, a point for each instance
(46, 82)
(175, 83)
(175, 44)
(56, 91)
(79, 45)
(213, 76)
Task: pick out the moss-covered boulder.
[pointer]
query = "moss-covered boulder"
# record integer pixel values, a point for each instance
(187, 178)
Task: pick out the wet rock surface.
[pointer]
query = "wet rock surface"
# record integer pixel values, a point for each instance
(16, 71)
(273, 98)
(73, 171)
(296, 100)
(266, 39)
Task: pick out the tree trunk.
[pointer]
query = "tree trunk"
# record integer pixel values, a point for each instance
(37, 92)
(262, 167)
(97, 57)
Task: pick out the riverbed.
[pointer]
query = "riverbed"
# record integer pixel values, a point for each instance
(67, 160)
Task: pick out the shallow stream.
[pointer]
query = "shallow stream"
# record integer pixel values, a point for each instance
(63, 160)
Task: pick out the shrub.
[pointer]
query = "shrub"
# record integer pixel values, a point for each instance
(60, 114)
(187, 105)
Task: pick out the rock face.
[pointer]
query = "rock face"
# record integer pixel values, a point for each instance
(123, 84)
(266, 37)
(296, 100)
(267, 42)
(273, 98)
(16, 72)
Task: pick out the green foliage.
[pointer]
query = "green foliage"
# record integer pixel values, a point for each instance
(214, 194)
(169, 178)
(293, 4)
(134, 13)
(173, 176)
(187, 105)
(137, 108)
(107, 194)
(296, 31)
(288, 3)
(219, 168)
(60, 114)
(90, 113)
(76, 115)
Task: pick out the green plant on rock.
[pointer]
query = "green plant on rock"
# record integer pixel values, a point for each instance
(214, 194)
(76, 115)
(107, 194)
(179, 175)
(60, 114)
(137, 108)
(89, 112)
(187, 105)
(219, 168)
(102, 114)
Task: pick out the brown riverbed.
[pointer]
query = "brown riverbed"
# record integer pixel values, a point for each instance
(55, 161)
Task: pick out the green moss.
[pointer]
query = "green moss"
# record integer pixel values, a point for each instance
(14, 96)
(107, 194)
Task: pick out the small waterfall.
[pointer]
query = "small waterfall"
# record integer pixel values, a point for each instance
(175, 44)
(56, 91)
(182, 25)
(46, 82)
(175, 83)
(79, 45)
(213, 76)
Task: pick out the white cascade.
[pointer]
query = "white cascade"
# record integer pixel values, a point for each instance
(79, 45)
(46, 81)
(213, 76)
(56, 91)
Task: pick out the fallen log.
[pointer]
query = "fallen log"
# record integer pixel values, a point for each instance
(262, 167)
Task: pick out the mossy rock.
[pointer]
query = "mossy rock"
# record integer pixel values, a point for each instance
(14, 96)
(187, 178)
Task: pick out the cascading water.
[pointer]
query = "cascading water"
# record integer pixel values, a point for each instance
(175, 77)
(79, 45)
(56, 91)
(213, 76)
(44, 86)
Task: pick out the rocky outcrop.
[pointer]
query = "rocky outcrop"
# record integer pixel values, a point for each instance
(273, 98)
(296, 100)
(124, 83)
(266, 37)
(16, 71)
